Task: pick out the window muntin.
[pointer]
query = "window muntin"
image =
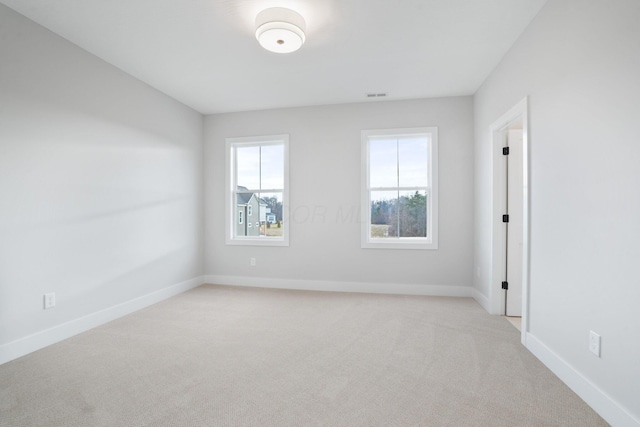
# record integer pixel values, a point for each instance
(399, 201)
(257, 181)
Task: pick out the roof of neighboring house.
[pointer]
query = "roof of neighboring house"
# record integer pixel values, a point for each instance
(245, 198)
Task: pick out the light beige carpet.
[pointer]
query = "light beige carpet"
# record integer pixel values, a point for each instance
(223, 356)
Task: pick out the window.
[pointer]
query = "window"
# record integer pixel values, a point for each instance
(400, 188)
(257, 184)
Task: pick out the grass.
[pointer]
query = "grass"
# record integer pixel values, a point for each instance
(272, 231)
(379, 230)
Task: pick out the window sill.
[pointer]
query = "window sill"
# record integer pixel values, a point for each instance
(399, 244)
(252, 241)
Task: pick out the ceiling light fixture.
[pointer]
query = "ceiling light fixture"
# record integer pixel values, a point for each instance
(280, 30)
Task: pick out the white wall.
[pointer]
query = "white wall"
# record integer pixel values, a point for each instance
(579, 63)
(324, 251)
(100, 188)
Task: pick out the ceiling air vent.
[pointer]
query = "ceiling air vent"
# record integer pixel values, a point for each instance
(375, 95)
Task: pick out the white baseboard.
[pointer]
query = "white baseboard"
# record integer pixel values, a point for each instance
(602, 403)
(31, 343)
(362, 287)
(481, 299)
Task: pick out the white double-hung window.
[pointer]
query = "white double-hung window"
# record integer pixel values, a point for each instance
(400, 188)
(257, 189)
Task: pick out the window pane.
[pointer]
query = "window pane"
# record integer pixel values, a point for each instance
(271, 224)
(412, 157)
(400, 188)
(383, 162)
(248, 164)
(272, 173)
(258, 169)
(412, 213)
(384, 216)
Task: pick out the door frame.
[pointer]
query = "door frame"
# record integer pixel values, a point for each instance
(498, 135)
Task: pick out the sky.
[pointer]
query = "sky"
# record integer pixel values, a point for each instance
(261, 167)
(397, 162)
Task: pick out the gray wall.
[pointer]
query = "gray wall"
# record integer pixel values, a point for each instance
(579, 63)
(325, 199)
(100, 184)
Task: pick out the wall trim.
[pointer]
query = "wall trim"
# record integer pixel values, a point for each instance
(335, 286)
(31, 343)
(594, 396)
(481, 299)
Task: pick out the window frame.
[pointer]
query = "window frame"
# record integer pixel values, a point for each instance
(429, 242)
(230, 184)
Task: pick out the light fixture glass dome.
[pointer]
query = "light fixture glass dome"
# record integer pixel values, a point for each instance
(280, 30)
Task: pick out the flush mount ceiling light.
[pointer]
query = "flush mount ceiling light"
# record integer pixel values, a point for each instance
(280, 30)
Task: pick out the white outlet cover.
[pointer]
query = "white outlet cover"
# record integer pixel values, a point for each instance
(49, 300)
(594, 343)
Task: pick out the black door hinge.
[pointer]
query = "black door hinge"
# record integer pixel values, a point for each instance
(505, 218)
(505, 151)
(505, 285)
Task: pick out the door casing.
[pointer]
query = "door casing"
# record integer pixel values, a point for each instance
(498, 137)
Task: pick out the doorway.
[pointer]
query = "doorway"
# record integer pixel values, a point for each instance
(509, 285)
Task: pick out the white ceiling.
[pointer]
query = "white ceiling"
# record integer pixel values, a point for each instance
(204, 52)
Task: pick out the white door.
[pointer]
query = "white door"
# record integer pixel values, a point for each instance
(514, 230)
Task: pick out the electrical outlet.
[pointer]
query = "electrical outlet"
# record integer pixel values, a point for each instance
(594, 343)
(49, 300)
(253, 262)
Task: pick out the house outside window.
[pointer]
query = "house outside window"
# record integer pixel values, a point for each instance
(257, 182)
(270, 218)
(400, 188)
